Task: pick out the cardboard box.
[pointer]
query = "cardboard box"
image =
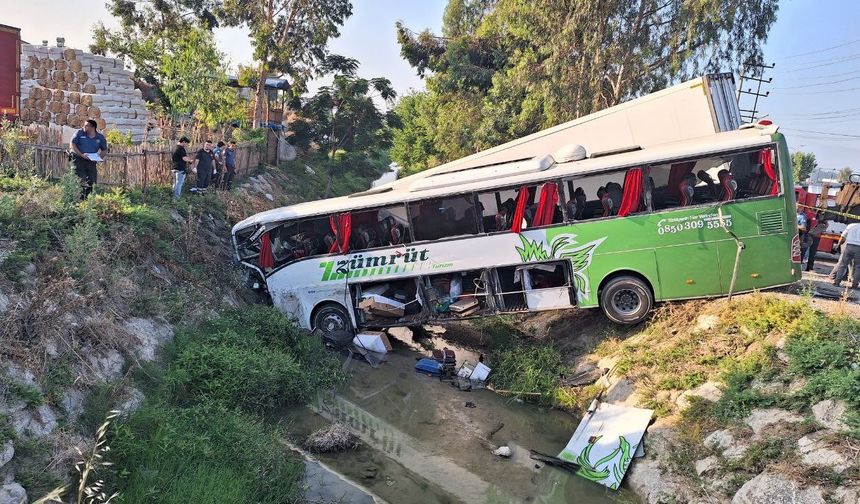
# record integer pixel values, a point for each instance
(374, 341)
(381, 309)
(464, 305)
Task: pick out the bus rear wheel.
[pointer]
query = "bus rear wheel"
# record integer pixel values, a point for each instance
(626, 300)
(332, 317)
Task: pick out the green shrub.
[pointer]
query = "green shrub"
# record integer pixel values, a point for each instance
(11, 184)
(116, 137)
(82, 244)
(206, 453)
(254, 359)
(530, 372)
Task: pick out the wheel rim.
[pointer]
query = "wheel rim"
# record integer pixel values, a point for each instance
(332, 321)
(626, 301)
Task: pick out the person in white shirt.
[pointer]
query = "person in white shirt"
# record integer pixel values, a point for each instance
(850, 243)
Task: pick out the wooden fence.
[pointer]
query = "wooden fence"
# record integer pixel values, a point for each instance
(138, 166)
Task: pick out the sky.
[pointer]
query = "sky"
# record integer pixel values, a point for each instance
(814, 95)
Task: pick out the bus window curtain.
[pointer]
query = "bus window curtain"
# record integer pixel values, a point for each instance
(546, 204)
(632, 198)
(341, 226)
(766, 160)
(676, 175)
(266, 259)
(520, 212)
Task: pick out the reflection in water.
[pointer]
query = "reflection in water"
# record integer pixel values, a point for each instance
(428, 448)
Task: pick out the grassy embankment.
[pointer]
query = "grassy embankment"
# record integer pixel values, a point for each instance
(75, 271)
(758, 339)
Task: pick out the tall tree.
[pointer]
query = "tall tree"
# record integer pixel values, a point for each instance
(194, 80)
(844, 175)
(802, 165)
(289, 37)
(345, 122)
(533, 65)
(148, 29)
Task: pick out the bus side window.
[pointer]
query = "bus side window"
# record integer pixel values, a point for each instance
(438, 218)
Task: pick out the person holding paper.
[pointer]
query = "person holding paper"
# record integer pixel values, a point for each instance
(87, 146)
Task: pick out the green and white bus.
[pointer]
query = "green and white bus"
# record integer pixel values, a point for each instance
(620, 230)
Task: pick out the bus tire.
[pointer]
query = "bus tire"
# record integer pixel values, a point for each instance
(626, 300)
(331, 317)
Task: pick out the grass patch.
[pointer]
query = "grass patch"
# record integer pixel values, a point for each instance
(203, 434)
(206, 453)
(528, 372)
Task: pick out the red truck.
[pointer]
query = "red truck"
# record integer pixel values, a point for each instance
(823, 199)
(10, 71)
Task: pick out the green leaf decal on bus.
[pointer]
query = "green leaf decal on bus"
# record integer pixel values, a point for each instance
(532, 250)
(608, 465)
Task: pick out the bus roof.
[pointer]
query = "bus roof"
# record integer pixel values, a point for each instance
(423, 185)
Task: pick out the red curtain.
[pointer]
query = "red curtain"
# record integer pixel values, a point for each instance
(632, 198)
(520, 212)
(676, 175)
(766, 161)
(546, 204)
(341, 226)
(266, 259)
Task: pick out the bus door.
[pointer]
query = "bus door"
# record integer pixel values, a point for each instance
(535, 287)
(389, 303)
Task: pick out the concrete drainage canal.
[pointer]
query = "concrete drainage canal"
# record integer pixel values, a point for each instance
(423, 441)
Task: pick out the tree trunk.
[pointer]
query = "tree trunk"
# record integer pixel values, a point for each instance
(259, 96)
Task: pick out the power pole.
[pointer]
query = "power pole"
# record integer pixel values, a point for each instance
(754, 73)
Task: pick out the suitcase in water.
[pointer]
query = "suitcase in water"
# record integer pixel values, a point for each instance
(428, 366)
(445, 356)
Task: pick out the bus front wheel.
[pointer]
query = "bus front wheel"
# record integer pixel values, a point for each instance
(332, 317)
(626, 300)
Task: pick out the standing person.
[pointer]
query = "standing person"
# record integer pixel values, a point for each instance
(850, 242)
(802, 232)
(230, 165)
(205, 165)
(180, 160)
(819, 226)
(219, 165)
(85, 142)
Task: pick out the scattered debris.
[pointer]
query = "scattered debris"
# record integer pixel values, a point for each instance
(373, 341)
(585, 374)
(333, 438)
(470, 404)
(428, 366)
(503, 451)
(553, 461)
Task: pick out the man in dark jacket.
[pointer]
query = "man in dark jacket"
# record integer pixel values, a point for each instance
(205, 165)
(87, 147)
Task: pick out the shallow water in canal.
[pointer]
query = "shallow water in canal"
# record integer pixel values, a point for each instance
(421, 444)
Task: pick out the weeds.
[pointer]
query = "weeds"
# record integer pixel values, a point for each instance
(529, 372)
